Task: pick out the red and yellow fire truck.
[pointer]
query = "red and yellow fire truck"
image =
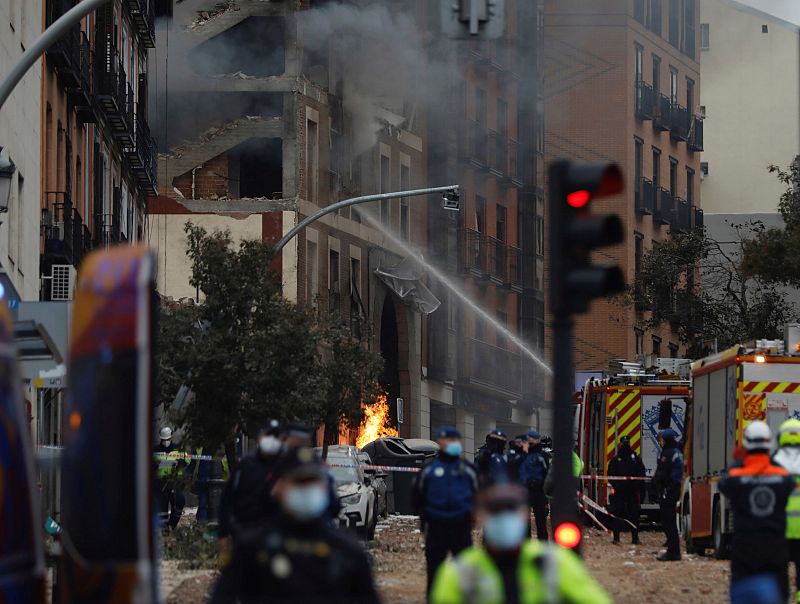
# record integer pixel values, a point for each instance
(730, 390)
(634, 402)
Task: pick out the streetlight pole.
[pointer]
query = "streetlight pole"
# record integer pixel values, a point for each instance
(452, 190)
(51, 35)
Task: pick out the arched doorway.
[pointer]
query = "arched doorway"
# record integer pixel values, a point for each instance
(394, 350)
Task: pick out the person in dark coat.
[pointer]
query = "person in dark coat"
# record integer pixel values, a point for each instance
(517, 450)
(532, 475)
(444, 497)
(628, 494)
(295, 555)
(667, 487)
(492, 461)
(758, 491)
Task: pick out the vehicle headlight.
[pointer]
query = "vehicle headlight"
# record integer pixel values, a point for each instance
(351, 499)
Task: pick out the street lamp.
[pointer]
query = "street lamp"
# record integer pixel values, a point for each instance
(7, 169)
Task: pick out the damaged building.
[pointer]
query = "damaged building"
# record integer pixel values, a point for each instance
(266, 111)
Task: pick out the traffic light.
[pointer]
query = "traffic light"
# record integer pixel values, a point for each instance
(473, 18)
(575, 232)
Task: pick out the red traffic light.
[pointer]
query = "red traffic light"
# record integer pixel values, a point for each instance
(568, 535)
(578, 199)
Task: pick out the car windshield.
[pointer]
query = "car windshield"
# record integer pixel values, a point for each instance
(343, 470)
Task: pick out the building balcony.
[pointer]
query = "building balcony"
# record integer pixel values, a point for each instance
(492, 369)
(56, 225)
(498, 153)
(514, 175)
(697, 219)
(680, 122)
(514, 275)
(664, 207)
(695, 134)
(113, 92)
(645, 196)
(81, 95)
(645, 101)
(143, 15)
(497, 261)
(142, 154)
(65, 54)
(663, 107)
(473, 254)
(682, 216)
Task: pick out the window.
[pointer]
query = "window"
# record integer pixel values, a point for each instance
(385, 175)
(674, 22)
(690, 185)
(654, 21)
(765, 29)
(673, 85)
(638, 63)
(704, 169)
(639, 335)
(312, 274)
(656, 168)
(656, 75)
(689, 39)
(14, 210)
(638, 10)
(501, 224)
(656, 346)
(334, 288)
(480, 214)
(705, 38)
(638, 165)
(539, 236)
(673, 176)
(690, 95)
(356, 303)
(673, 350)
(312, 160)
(638, 253)
(405, 212)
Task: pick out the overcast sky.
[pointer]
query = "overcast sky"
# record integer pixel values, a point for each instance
(788, 10)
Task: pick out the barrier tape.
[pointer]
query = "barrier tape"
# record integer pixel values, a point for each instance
(593, 517)
(373, 467)
(601, 477)
(593, 504)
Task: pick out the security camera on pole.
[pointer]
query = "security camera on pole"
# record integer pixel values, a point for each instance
(574, 281)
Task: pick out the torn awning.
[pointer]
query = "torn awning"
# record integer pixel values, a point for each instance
(405, 279)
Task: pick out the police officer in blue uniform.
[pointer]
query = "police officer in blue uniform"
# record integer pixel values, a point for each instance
(667, 485)
(491, 460)
(444, 496)
(532, 475)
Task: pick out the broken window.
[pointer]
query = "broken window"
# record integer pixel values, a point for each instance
(255, 169)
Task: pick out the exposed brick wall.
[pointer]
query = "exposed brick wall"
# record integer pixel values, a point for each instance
(210, 181)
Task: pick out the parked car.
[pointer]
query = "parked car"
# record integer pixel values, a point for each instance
(378, 484)
(353, 486)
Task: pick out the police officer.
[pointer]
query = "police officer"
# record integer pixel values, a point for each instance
(517, 450)
(626, 500)
(533, 474)
(246, 499)
(788, 457)
(509, 567)
(170, 462)
(444, 497)
(758, 491)
(667, 486)
(492, 461)
(296, 555)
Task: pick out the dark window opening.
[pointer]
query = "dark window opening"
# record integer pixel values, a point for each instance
(255, 169)
(673, 177)
(255, 47)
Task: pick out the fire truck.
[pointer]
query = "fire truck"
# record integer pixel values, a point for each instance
(730, 390)
(635, 402)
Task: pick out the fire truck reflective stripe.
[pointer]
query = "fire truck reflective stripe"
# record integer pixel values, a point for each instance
(777, 387)
(624, 407)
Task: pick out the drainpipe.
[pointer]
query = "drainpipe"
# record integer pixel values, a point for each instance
(195, 169)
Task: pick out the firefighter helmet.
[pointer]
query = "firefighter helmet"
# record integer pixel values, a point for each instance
(757, 436)
(789, 432)
(165, 433)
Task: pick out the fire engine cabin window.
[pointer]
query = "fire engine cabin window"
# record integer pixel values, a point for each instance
(385, 175)
(312, 160)
(656, 75)
(312, 273)
(255, 168)
(639, 336)
(656, 346)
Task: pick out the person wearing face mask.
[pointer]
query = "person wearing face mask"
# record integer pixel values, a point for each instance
(509, 567)
(246, 499)
(444, 497)
(170, 463)
(296, 555)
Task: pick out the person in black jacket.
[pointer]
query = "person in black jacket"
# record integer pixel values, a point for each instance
(247, 497)
(491, 460)
(758, 491)
(627, 496)
(532, 475)
(667, 487)
(296, 555)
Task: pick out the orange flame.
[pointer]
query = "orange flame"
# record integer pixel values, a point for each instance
(376, 423)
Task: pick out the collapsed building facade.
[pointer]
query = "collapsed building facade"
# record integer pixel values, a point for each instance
(264, 115)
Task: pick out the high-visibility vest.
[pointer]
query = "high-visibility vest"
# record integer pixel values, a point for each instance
(546, 573)
(167, 462)
(577, 465)
(793, 512)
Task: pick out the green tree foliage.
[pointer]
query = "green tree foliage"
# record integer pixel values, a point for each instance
(699, 287)
(772, 254)
(248, 354)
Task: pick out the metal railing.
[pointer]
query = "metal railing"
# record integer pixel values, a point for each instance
(682, 216)
(497, 260)
(143, 14)
(645, 196)
(664, 208)
(645, 100)
(679, 122)
(473, 252)
(492, 367)
(697, 219)
(514, 163)
(696, 134)
(56, 225)
(663, 107)
(514, 275)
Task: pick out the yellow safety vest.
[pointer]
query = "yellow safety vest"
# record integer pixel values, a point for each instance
(793, 512)
(473, 578)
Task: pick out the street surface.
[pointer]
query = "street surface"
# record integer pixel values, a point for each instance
(629, 573)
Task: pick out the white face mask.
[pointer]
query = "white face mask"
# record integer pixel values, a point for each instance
(166, 443)
(504, 531)
(269, 445)
(306, 502)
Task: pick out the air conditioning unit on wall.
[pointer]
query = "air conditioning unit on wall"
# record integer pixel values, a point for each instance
(62, 282)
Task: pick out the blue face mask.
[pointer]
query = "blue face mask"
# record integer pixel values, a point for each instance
(453, 448)
(504, 531)
(306, 502)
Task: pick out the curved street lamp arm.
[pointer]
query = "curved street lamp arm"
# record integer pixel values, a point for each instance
(51, 35)
(354, 201)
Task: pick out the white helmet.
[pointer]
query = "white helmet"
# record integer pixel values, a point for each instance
(757, 436)
(165, 433)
